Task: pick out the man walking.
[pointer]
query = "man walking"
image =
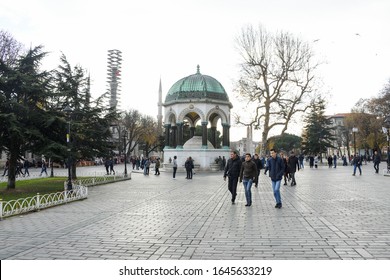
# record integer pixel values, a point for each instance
(357, 162)
(157, 167)
(248, 175)
(276, 170)
(293, 164)
(232, 171)
(174, 166)
(301, 159)
(259, 165)
(377, 161)
(26, 165)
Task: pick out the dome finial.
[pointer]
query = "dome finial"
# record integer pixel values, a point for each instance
(197, 69)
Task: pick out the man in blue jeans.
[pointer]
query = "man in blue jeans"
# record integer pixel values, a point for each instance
(357, 162)
(276, 169)
(248, 175)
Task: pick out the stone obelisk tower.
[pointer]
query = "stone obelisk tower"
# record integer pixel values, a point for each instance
(160, 107)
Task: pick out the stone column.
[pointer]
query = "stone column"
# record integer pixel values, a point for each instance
(226, 137)
(204, 135)
(174, 136)
(214, 136)
(167, 128)
(180, 139)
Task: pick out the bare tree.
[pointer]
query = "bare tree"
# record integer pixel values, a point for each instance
(277, 76)
(132, 122)
(9, 48)
(380, 105)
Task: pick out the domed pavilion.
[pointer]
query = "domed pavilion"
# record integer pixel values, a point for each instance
(197, 100)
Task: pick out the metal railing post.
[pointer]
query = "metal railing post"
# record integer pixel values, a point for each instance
(38, 205)
(1, 209)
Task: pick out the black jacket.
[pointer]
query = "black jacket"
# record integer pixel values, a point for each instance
(259, 164)
(233, 168)
(293, 163)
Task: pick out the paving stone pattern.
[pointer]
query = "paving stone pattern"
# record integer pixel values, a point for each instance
(328, 215)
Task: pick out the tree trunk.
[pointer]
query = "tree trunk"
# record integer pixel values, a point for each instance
(11, 185)
(74, 175)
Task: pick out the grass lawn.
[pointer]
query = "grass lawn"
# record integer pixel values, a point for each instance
(26, 188)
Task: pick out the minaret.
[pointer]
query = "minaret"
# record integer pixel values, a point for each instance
(114, 65)
(159, 116)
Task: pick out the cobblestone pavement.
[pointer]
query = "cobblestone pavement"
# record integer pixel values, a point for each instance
(328, 215)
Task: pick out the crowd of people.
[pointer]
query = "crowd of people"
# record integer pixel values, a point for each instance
(280, 167)
(245, 169)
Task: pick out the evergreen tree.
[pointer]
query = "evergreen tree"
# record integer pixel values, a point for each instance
(89, 121)
(318, 129)
(286, 142)
(23, 92)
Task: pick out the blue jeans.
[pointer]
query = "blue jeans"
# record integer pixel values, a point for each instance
(354, 169)
(247, 186)
(276, 188)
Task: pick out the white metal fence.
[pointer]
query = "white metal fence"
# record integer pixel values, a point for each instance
(37, 202)
(98, 180)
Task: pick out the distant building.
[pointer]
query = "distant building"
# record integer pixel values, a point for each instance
(244, 146)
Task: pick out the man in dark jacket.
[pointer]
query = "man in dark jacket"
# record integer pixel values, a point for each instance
(232, 171)
(377, 161)
(276, 170)
(293, 164)
(357, 162)
(248, 175)
(259, 165)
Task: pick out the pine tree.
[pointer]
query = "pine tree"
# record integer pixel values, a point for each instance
(89, 120)
(23, 90)
(318, 129)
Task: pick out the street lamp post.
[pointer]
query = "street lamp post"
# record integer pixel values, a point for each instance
(387, 123)
(354, 130)
(124, 150)
(68, 112)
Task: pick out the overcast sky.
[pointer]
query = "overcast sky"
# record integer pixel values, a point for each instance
(169, 38)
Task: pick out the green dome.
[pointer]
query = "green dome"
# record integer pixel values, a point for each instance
(197, 86)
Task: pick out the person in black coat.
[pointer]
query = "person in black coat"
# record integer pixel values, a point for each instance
(232, 171)
(377, 161)
(189, 165)
(357, 162)
(293, 164)
(259, 165)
